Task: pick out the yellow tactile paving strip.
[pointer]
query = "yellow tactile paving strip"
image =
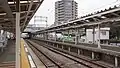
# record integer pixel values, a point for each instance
(24, 59)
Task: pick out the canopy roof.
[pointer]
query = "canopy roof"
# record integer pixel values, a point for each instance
(105, 18)
(8, 11)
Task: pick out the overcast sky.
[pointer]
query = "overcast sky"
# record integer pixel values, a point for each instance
(84, 7)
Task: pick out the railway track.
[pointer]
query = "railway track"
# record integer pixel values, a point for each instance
(53, 60)
(49, 63)
(74, 62)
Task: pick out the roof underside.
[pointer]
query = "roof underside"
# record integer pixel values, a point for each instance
(8, 12)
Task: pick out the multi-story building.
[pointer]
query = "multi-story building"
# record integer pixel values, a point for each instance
(65, 10)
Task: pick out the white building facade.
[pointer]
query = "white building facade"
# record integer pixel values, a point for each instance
(104, 35)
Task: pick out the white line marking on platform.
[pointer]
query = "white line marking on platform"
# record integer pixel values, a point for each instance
(24, 45)
(31, 62)
(26, 49)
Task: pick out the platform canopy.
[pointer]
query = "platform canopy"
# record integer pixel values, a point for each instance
(8, 13)
(109, 17)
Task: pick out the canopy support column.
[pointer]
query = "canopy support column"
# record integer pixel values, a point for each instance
(99, 36)
(18, 40)
(93, 35)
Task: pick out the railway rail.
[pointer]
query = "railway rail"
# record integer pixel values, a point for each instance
(49, 63)
(47, 54)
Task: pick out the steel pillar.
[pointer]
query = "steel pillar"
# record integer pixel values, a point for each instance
(2, 49)
(116, 62)
(85, 33)
(45, 36)
(78, 51)
(99, 36)
(5, 34)
(0, 35)
(17, 39)
(57, 45)
(76, 36)
(79, 36)
(55, 36)
(69, 33)
(62, 47)
(69, 49)
(93, 55)
(5, 38)
(53, 44)
(63, 37)
(93, 35)
(42, 36)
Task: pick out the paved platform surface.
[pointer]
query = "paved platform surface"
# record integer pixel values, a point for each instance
(36, 60)
(24, 59)
(7, 58)
(9, 52)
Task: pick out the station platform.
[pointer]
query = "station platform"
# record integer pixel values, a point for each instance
(7, 57)
(28, 57)
(24, 57)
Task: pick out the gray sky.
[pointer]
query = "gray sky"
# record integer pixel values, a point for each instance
(84, 7)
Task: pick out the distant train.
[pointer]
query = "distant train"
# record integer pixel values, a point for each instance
(25, 35)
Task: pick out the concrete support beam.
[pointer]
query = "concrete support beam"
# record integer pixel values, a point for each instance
(18, 40)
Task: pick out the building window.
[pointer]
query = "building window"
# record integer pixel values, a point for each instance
(103, 32)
